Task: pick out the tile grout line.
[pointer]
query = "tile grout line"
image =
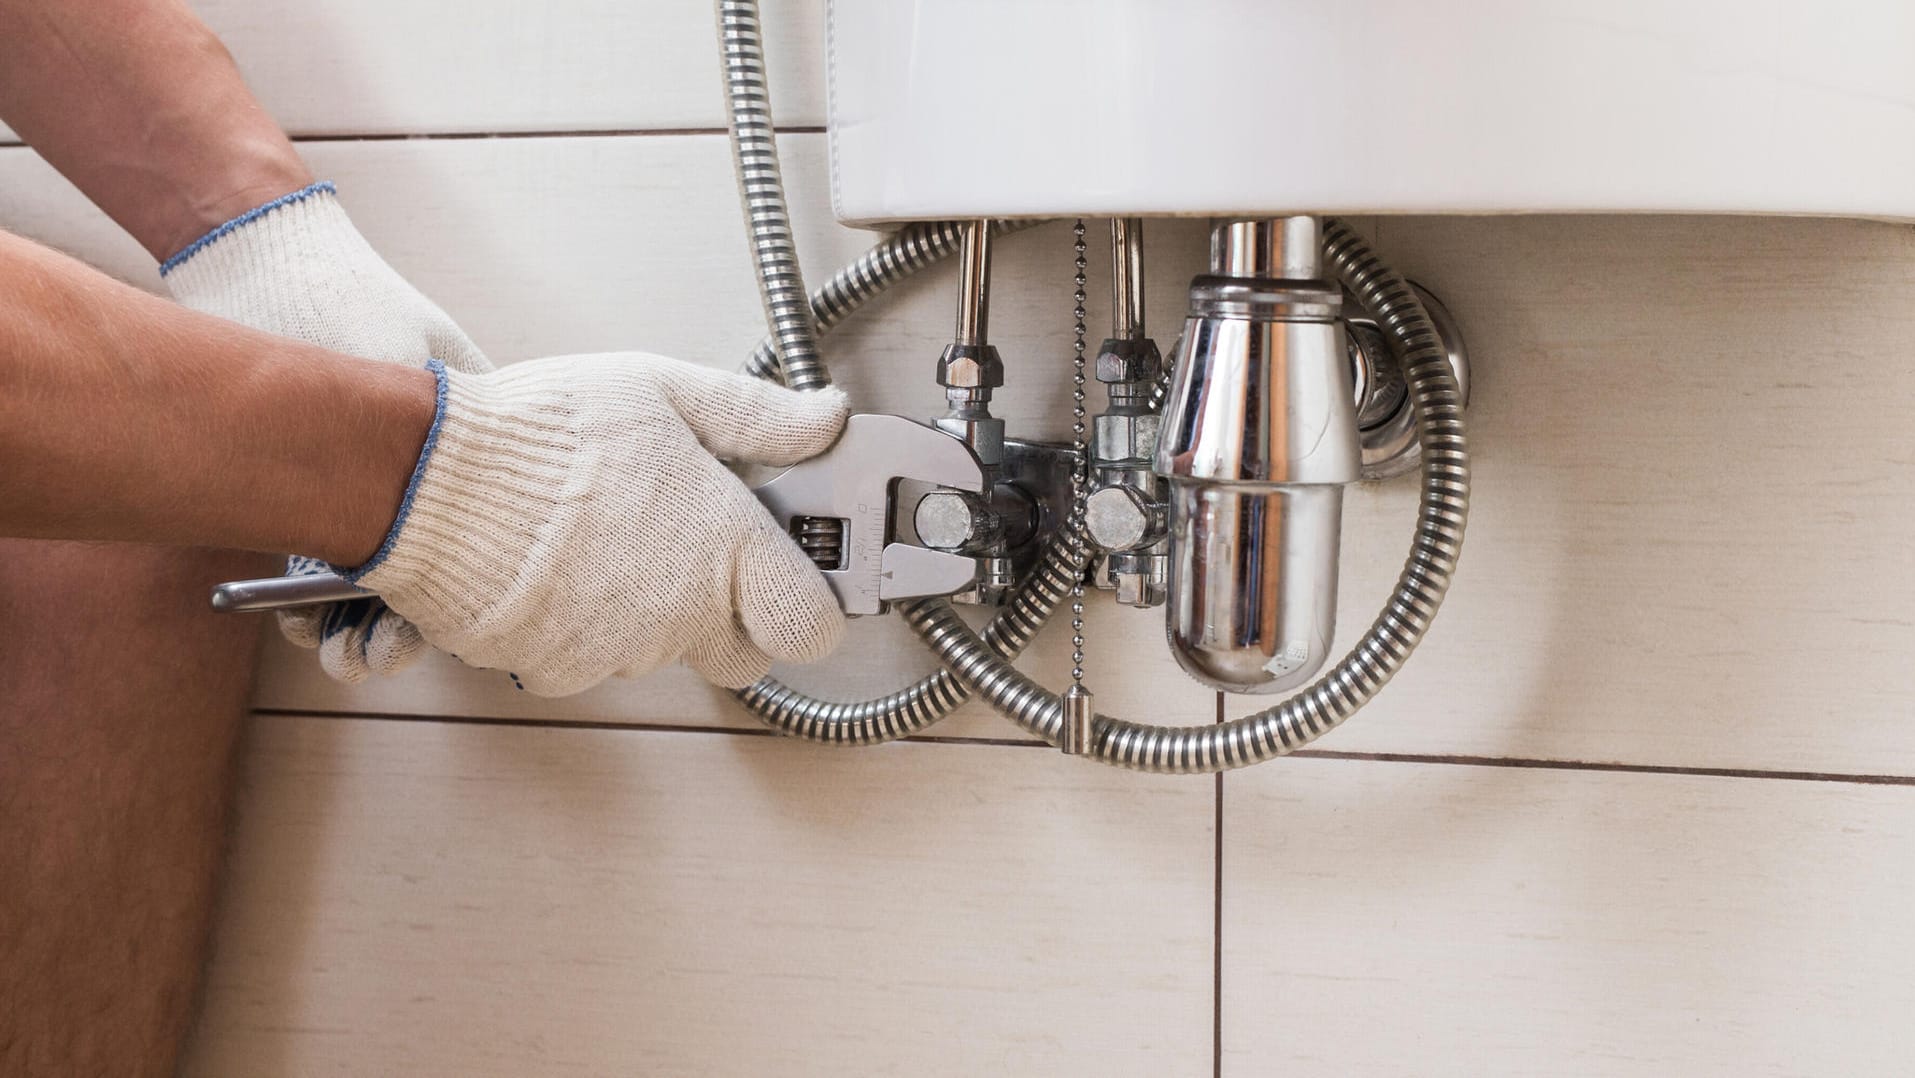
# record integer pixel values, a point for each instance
(467, 136)
(1436, 759)
(1537, 763)
(1216, 923)
(609, 725)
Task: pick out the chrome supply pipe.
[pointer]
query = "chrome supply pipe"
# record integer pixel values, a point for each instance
(1127, 277)
(1442, 514)
(754, 151)
(974, 285)
(970, 369)
(891, 260)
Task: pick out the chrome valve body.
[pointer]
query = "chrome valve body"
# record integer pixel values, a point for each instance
(1125, 514)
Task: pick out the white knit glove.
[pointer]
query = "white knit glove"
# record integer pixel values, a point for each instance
(298, 268)
(567, 521)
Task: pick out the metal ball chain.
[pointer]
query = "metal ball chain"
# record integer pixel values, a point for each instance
(1080, 445)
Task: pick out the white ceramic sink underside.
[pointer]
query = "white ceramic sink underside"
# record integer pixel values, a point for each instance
(959, 108)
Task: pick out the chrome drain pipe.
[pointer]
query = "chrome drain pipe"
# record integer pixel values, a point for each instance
(1259, 440)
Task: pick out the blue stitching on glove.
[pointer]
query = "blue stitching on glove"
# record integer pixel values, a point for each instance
(438, 370)
(324, 187)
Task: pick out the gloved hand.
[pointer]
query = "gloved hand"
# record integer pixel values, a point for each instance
(567, 521)
(298, 268)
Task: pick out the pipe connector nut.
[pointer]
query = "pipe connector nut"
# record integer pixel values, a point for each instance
(1124, 360)
(1118, 437)
(970, 366)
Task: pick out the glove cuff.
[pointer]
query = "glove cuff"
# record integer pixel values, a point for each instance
(268, 267)
(276, 222)
(489, 483)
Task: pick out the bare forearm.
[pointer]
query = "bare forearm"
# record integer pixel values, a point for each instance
(140, 106)
(125, 417)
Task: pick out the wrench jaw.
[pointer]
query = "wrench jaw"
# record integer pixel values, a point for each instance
(857, 481)
(915, 572)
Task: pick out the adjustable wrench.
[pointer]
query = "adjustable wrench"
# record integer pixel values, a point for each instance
(856, 482)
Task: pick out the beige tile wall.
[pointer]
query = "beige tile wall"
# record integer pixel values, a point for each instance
(1640, 807)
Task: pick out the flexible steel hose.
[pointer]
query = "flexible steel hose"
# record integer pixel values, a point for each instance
(910, 710)
(1442, 513)
(935, 696)
(754, 151)
(790, 355)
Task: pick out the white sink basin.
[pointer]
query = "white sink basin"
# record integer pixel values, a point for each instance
(1003, 108)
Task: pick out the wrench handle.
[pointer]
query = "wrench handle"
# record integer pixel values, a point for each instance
(281, 592)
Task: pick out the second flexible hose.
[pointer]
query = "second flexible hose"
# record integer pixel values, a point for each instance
(917, 706)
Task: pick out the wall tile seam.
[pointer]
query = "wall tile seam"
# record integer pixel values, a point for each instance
(1384, 758)
(469, 136)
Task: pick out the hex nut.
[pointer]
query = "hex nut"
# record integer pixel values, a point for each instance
(1119, 436)
(970, 366)
(1128, 360)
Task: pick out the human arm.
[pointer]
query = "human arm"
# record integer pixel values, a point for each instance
(139, 104)
(126, 417)
(126, 699)
(563, 518)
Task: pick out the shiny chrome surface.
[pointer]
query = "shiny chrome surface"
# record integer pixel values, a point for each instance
(1282, 249)
(1139, 580)
(1259, 435)
(1260, 401)
(280, 592)
(1387, 427)
(974, 284)
(970, 368)
(855, 481)
(1127, 277)
(1253, 575)
(1080, 711)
